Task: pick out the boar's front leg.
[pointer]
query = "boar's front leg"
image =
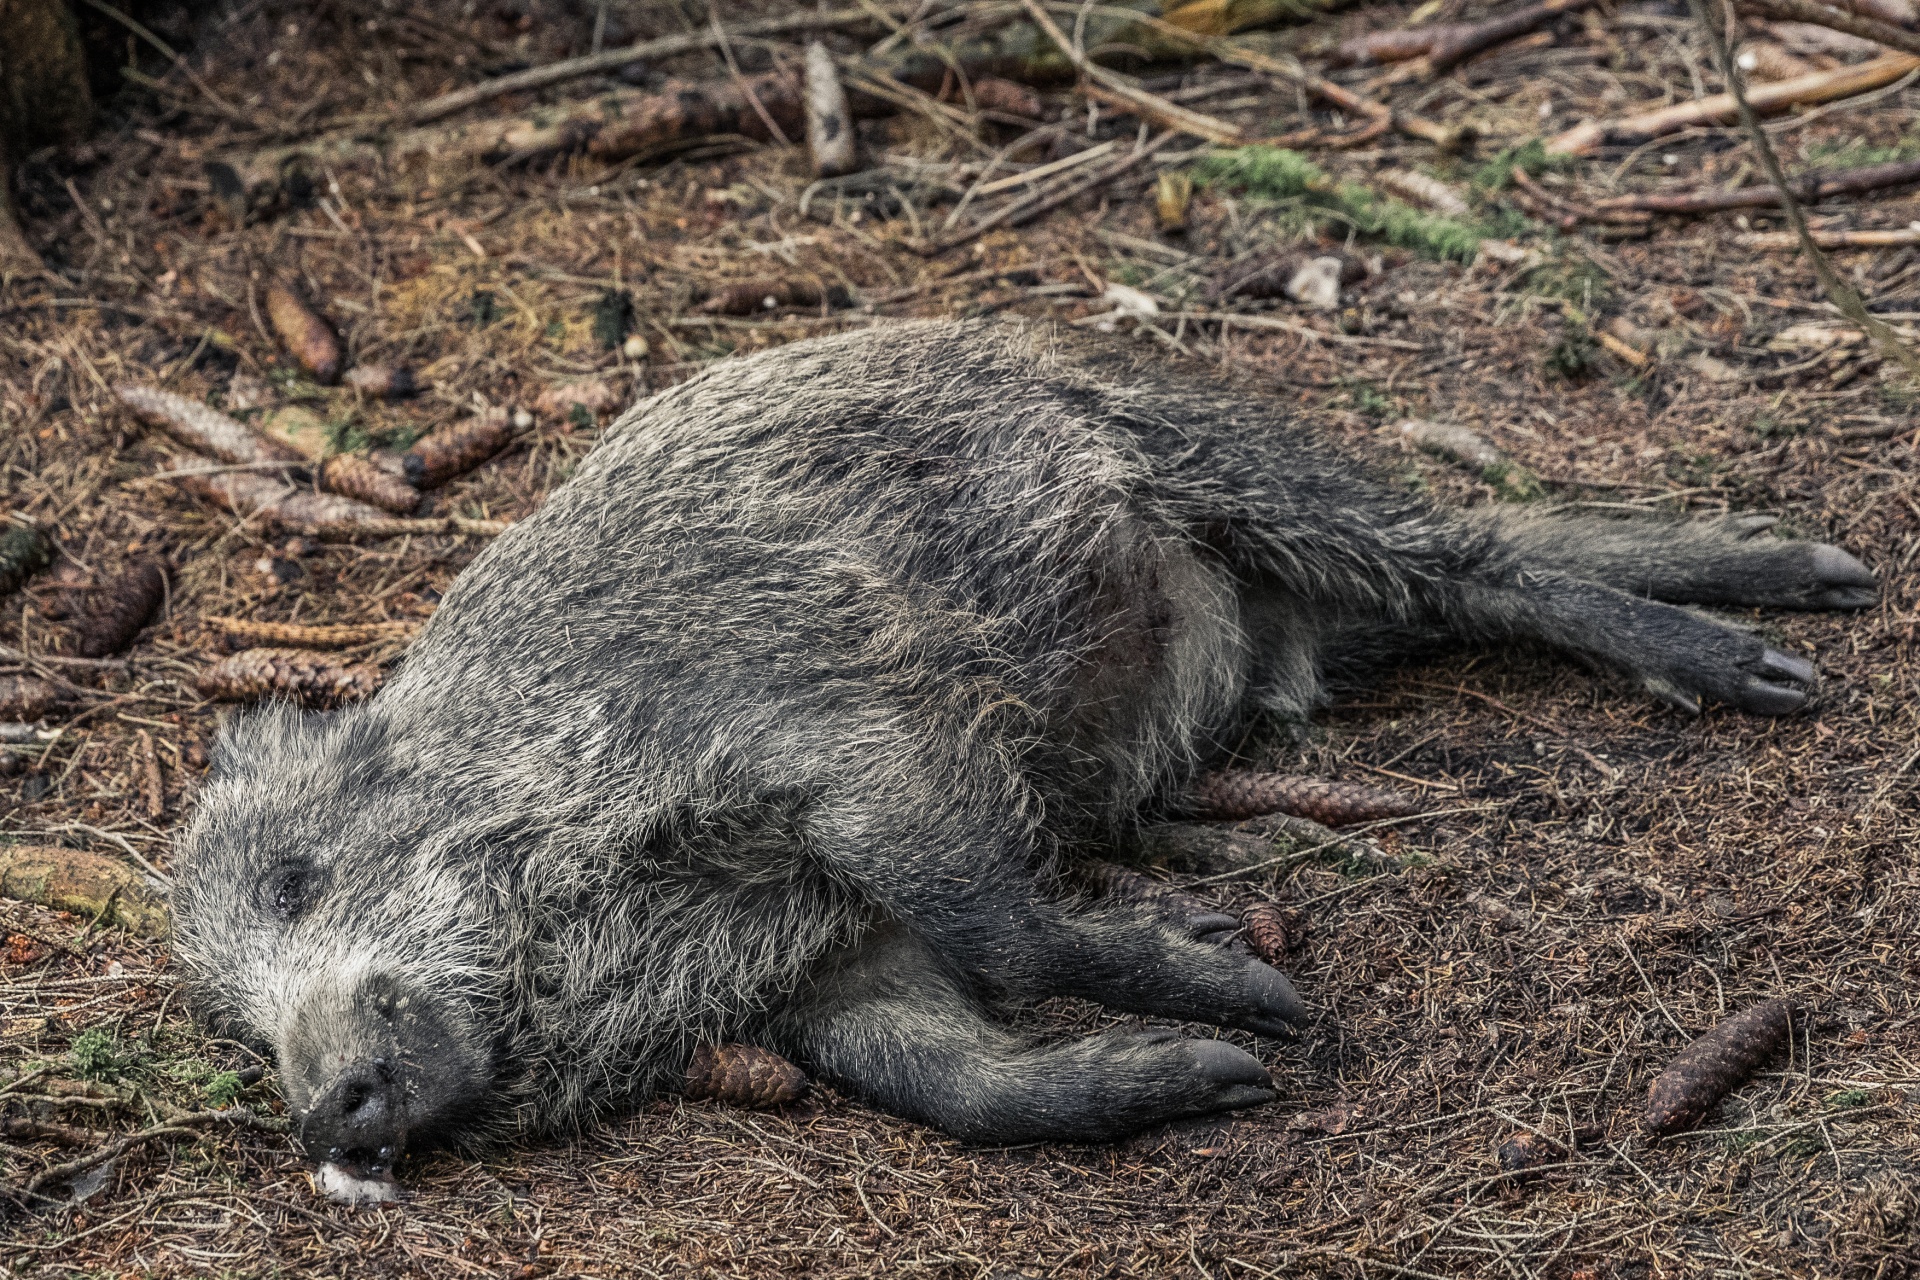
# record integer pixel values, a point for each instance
(889, 1023)
(964, 882)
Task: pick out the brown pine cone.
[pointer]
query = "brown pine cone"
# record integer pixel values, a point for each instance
(312, 679)
(305, 334)
(1111, 880)
(1714, 1065)
(1266, 926)
(355, 477)
(744, 1076)
(1232, 794)
(116, 613)
(29, 697)
(244, 633)
(452, 451)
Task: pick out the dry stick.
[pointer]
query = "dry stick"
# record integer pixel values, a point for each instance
(1446, 137)
(613, 59)
(1824, 86)
(179, 1126)
(1853, 24)
(1833, 239)
(1809, 188)
(1118, 90)
(1015, 215)
(1842, 295)
(1463, 42)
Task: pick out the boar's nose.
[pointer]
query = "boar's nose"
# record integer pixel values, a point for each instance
(358, 1122)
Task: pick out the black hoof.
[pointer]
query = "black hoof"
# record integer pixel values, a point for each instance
(1212, 926)
(1235, 1077)
(1843, 582)
(1778, 684)
(1272, 1004)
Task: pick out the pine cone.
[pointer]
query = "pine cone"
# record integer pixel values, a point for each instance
(453, 451)
(1233, 794)
(353, 476)
(743, 1075)
(29, 697)
(1111, 880)
(1266, 926)
(244, 633)
(312, 679)
(116, 614)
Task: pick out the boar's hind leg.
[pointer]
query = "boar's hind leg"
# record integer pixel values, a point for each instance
(1728, 561)
(969, 891)
(1680, 656)
(890, 1025)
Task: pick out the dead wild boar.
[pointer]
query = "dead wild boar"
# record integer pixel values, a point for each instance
(778, 720)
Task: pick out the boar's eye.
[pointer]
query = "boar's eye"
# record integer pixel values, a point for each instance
(288, 888)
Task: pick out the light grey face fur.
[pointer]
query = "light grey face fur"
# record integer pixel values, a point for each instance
(777, 720)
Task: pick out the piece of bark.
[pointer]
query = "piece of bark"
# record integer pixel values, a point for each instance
(118, 611)
(25, 698)
(1266, 926)
(24, 551)
(386, 381)
(453, 451)
(992, 93)
(831, 141)
(1720, 108)
(244, 633)
(87, 884)
(354, 476)
(1401, 44)
(1714, 1065)
(305, 333)
(203, 428)
(299, 675)
(153, 790)
(743, 1075)
(1235, 794)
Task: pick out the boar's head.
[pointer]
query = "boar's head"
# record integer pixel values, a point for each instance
(325, 910)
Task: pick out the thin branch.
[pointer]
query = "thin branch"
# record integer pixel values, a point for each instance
(1842, 294)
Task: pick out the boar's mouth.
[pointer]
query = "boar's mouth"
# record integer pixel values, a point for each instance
(376, 1071)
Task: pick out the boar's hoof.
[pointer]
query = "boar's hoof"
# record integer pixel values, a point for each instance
(1777, 684)
(1844, 583)
(1271, 1002)
(1212, 926)
(1235, 1076)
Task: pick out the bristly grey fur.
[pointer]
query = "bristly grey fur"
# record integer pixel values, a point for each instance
(773, 721)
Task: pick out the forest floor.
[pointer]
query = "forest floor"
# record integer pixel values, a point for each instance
(1610, 877)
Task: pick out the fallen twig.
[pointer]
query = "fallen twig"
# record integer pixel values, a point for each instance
(1808, 188)
(1720, 108)
(183, 1124)
(1118, 90)
(1017, 214)
(1833, 239)
(1840, 293)
(1854, 24)
(613, 59)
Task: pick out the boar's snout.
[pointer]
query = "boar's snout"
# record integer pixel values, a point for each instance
(378, 1069)
(359, 1122)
